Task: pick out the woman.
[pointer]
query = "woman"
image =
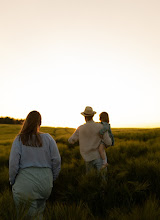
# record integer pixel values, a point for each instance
(34, 164)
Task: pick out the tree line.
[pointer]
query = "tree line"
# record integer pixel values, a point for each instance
(8, 120)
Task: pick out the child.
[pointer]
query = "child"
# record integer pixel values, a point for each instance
(104, 118)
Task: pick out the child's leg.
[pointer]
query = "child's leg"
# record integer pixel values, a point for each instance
(102, 153)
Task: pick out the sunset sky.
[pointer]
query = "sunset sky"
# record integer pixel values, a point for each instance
(59, 56)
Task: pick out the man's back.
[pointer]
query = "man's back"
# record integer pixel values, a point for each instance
(89, 139)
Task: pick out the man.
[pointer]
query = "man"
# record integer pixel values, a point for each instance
(89, 140)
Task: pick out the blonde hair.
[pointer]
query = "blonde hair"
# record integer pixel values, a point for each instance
(104, 117)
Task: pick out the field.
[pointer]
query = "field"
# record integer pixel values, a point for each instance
(130, 190)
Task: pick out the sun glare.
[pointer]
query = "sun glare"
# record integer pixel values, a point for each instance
(64, 58)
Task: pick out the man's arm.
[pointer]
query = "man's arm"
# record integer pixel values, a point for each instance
(107, 140)
(75, 137)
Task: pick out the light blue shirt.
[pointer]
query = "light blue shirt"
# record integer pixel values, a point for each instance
(22, 156)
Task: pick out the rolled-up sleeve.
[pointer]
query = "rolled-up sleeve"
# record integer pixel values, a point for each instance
(55, 158)
(75, 137)
(14, 161)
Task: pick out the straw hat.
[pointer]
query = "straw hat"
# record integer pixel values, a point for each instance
(88, 111)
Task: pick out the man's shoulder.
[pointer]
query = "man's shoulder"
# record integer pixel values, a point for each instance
(80, 126)
(98, 124)
(91, 124)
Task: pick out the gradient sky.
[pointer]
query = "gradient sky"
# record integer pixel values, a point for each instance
(58, 56)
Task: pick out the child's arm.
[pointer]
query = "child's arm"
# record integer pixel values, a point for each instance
(101, 151)
(103, 154)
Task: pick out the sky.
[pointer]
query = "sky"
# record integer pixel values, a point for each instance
(59, 56)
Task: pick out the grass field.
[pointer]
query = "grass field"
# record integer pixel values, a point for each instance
(130, 190)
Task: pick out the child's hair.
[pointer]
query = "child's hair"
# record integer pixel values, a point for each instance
(104, 117)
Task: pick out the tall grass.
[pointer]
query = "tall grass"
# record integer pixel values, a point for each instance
(129, 190)
(61, 211)
(7, 208)
(149, 210)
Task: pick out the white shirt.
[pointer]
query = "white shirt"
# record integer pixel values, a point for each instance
(89, 140)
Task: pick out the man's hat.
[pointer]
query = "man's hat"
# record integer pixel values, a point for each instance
(88, 111)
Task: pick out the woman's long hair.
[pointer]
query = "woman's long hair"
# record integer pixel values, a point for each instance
(29, 134)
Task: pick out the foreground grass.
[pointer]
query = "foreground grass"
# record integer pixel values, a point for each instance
(129, 190)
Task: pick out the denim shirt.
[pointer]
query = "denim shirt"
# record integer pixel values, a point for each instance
(22, 156)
